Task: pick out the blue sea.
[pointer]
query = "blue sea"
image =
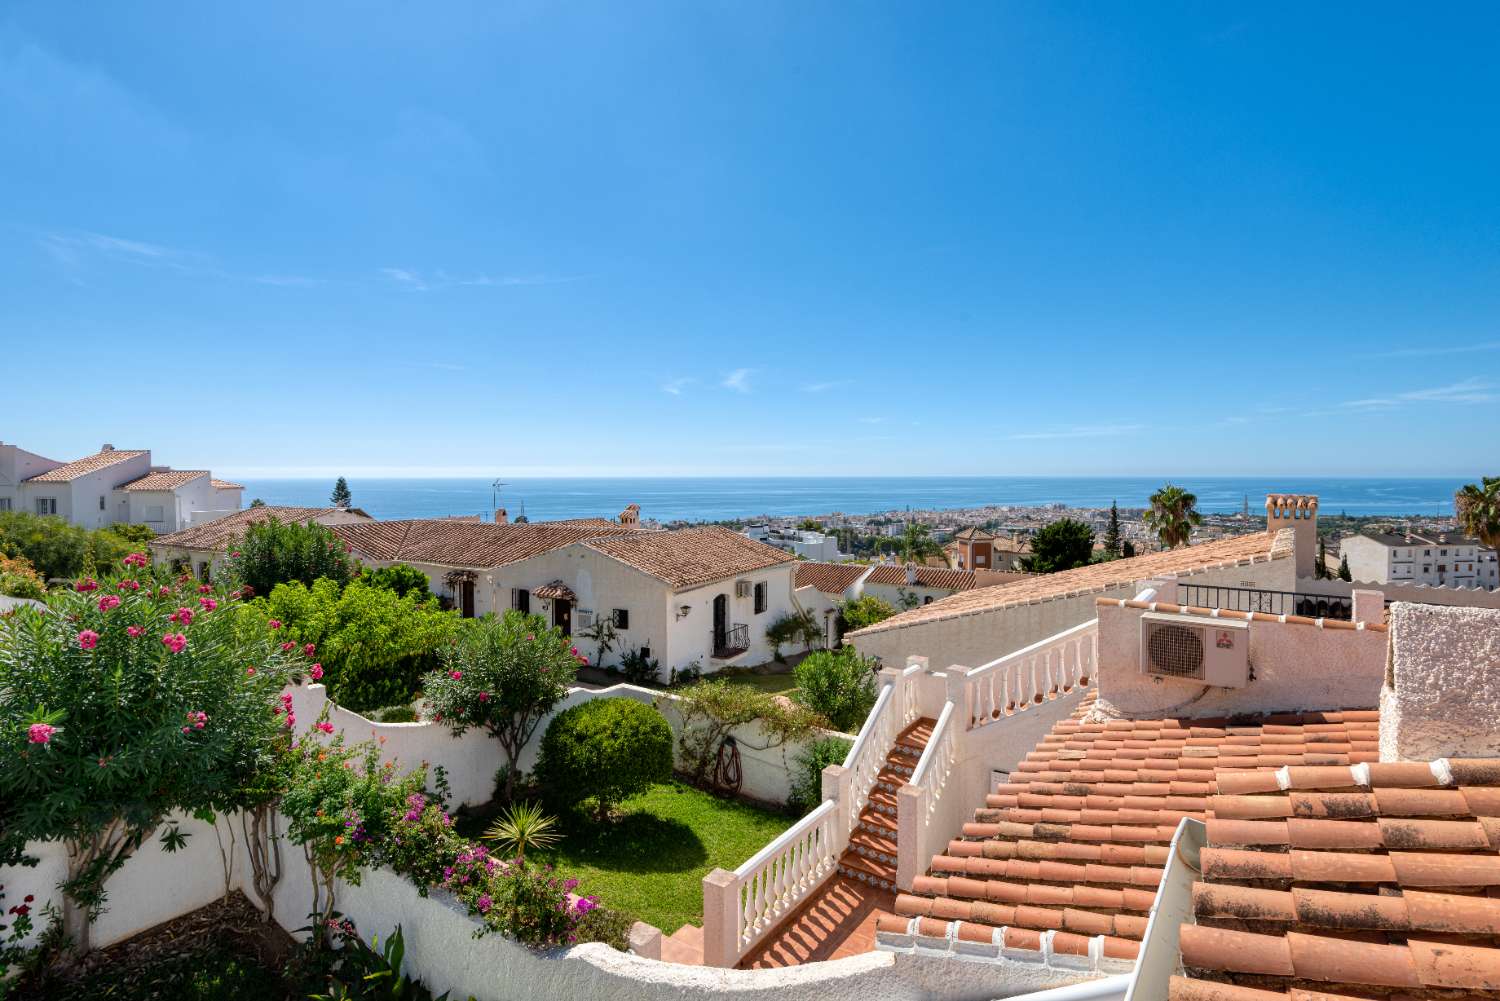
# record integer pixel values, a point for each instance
(719, 499)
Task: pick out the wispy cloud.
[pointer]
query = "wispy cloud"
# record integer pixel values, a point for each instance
(1451, 349)
(675, 386)
(1084, 431)
(872, 420)
(1470, 390)
(417, 281)
(75, 252)
(447, 366)
(823, 387)
(739, 380)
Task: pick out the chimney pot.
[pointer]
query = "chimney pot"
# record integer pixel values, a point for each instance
(106, 447)
(501, 517)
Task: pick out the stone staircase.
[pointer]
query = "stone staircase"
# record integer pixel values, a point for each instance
(871, 855)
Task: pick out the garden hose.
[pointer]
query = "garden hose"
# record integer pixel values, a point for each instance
(727, 771)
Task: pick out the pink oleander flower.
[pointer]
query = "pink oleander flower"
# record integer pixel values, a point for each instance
(108, 601)
(286, 647)
(176, 642)
(250, 671)
(209, 604)
(40, 733)
(87, 584)
(456, 675)
(274, 624)
(134, 560)
(88, 639)
(315, 672)
(129, 585)
(205, 588)
(291, 720)
(182, 615)
(133, 631)
(484, 696)
(325, 726)
(573, 650)
(187, 730)
(163, 591)
(309, 650)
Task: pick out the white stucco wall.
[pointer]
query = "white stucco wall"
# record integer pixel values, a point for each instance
(1296, 667)
(690, 636)
(1442, 693)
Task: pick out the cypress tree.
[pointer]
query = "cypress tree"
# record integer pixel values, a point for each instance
(1112, 533)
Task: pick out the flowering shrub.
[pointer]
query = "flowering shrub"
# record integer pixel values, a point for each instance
(422, 842)
(19, 579)
(115, 713)
(505, 675)
(605, 750)
(533, 905)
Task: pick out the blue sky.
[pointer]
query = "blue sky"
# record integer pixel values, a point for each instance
(702, 238)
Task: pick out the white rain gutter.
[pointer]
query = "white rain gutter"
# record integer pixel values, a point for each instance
(1160, 955)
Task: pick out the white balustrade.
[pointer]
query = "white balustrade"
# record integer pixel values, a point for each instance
(910, 703)
(1019, 680)
(781, 875)
(867, 756)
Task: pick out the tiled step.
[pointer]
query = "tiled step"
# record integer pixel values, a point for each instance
(872, 845)
(878, 823)
(866, 870)
(900, 761)
(883, 800)
(684, 946)
(892, 778)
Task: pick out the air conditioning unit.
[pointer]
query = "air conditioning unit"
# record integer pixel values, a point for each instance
(742, 588)
(1206, 650)
(585, 619)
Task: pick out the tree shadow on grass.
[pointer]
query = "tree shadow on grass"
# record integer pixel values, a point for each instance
(636, 842)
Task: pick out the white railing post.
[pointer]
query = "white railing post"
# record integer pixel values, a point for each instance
(911, 808)
(838, 784)
(721, 918)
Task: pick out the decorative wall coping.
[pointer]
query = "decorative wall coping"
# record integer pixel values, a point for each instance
(1225, 613)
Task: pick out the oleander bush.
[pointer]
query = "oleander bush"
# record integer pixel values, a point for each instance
(274, 552)
(603, 751)
(838, 685)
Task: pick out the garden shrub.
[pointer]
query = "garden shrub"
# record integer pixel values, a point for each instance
(865, 610)
(604, 750)
(711, 709)
(56, 547)
(839, 685)
(607, 925)
(807, 774)
(639, 669)
(18, 579)
(503, 675)
(396, 714)
(403, 578)
(793, 627)
(274, 552)
(529, 903)
(421, 841)
(130, 698)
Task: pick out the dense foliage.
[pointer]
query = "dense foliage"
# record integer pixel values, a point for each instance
(639, 669)
(503, 675)
(1061, 545)
(1478, 509)
(129, 698)
(603, 751)
(403, 578)
(807, 771)
(798, 627)
(374, 645)
(19, 579)
(57, 548)
(273, 552)
(866, 610)
(838, 685)
(712, 710)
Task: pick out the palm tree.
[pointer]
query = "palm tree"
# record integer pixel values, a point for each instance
(521, 827)
(1478, 510)
(1172, 515)
(917, 543)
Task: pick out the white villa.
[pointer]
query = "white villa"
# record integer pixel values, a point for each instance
(202, 548)
(113, 486)
(1443, 559)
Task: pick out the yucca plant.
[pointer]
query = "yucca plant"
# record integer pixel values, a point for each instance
(521, 827)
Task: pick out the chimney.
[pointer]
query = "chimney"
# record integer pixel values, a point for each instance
(501, 517)
(1441, 697)
(106, 447)
(1299, 512)
(911, 573)
(631, 516)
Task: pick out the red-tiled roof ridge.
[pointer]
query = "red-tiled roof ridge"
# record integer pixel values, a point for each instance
(468, 544)
(226, 484)
(69, 471)
(690, 556)
(894, 574)
(1225, 613)
(164, 479)
(1240, 550)
(830, 578)
(218, 533)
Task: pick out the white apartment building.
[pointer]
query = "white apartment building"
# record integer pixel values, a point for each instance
(1436, 559)
(113, 486)
(807, 544)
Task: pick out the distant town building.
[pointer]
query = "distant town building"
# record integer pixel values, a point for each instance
(1437, 559)
(977, 549)
(113, 486)
(805, 543)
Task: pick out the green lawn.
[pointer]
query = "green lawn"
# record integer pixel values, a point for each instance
(650, 861)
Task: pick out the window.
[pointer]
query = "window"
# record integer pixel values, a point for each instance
(46, 505)
(155, 512)
(520, 600)
(101, 502)
(1444, 552)
(760, 597)
(203, 569)
(4, 503)
(1427, 552)
(622, 618)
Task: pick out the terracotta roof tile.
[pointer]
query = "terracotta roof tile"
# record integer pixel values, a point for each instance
(226, 485)
(1234, 551)
(217, 534)
(691, 556)
(166, 479)
(70, 471)
(830, 578)
(894, 575)
(471, 544)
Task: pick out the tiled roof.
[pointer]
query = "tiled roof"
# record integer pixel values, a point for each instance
(1076, 840)
(82, 467)
(1243, 549)
(894, 574)
(226, 485)
(830, 578)
(973, 534)
(218, 533)
(1368, 879)
(556, 589)
(167, 479)
(597, 524)
(691, 556)
(465, 543)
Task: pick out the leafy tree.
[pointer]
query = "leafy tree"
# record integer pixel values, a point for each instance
(793, 627)
(1062, 545)
(807, 773)
(257, 502)
(866, 610)
(916, 544)
(140, 535)
(838, 685)
(1344, 573)
(1172, 516)
(56, 547)
(18, 579)
(604, 750)
(504, 675)
(340, 496)
(810, 525)
(1112, 533)
(711, 710)
(403, 578)
(274, 552)
(127, 700)
(374, 646)
(1478, 510)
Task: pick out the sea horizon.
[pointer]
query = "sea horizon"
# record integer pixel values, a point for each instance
(723, 498)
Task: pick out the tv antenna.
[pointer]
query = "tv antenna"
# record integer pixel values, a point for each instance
(495, 493)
